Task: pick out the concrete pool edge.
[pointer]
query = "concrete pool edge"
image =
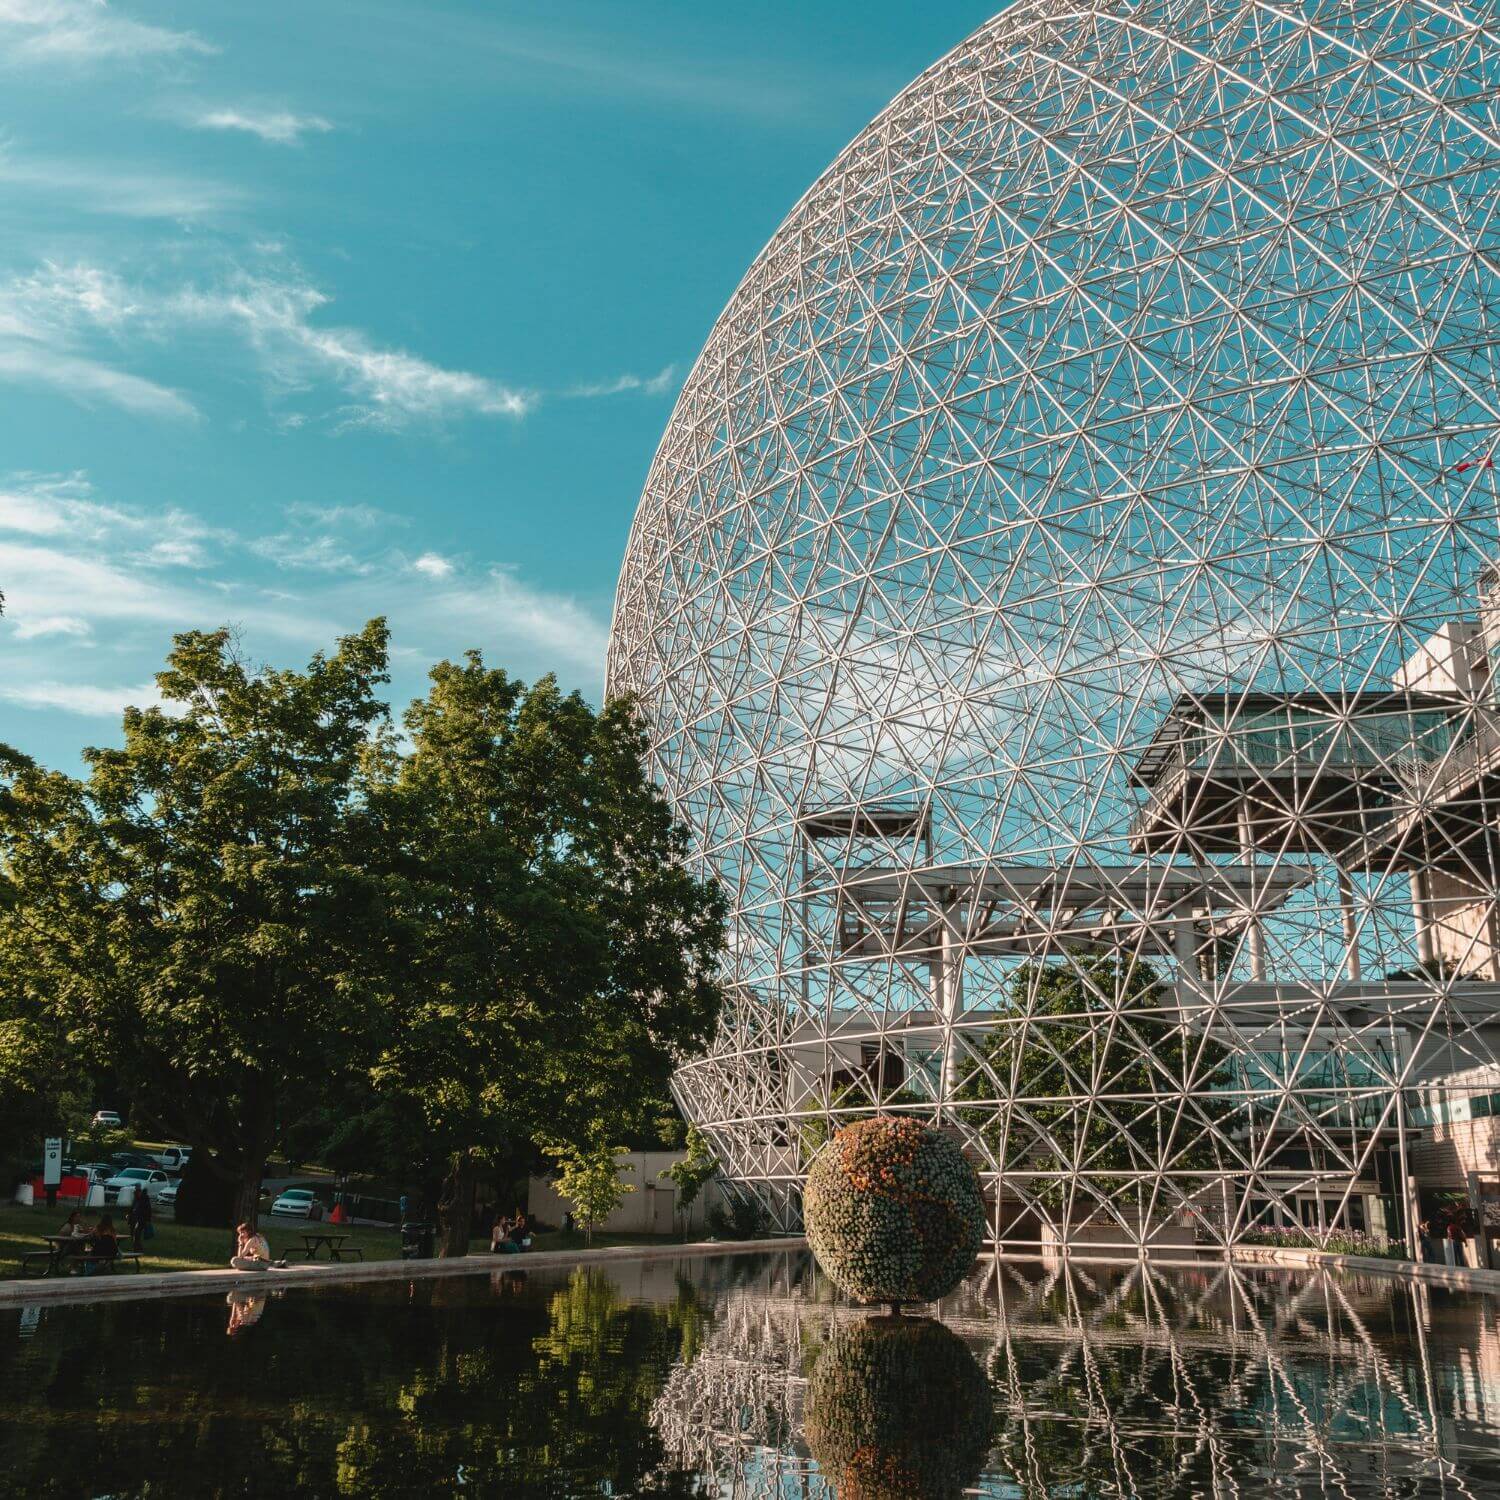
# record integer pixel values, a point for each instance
(1461, 1278)
(125, 1286)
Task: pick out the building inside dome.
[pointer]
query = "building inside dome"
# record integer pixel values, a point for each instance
(1065, 611)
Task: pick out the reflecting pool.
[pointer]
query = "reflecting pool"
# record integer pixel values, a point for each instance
(745, 1376)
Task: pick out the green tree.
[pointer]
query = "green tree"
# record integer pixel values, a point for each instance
(692, 1172)
(201, 911)
(558, 953)
(589, 1178)
(1095, 1026)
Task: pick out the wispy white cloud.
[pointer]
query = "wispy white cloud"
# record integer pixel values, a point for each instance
(45, 322)
(387, 388)
(39, 626)
(86, 380)
(94, 591)
(277, 127)
(103, 187)
(651, 385)
(84, 31)
(321, 554)
(49, 317)
(80, 697)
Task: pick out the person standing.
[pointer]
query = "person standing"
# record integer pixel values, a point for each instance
(1458, 1238)
(139, 1219)
(1427, 1233)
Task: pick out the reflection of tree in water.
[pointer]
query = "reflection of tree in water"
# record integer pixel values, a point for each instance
(440, 1388)
(897, 1409)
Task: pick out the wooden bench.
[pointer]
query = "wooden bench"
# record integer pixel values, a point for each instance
(49, 1263)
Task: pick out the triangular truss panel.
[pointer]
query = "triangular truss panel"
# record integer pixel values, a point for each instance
(1063, 609)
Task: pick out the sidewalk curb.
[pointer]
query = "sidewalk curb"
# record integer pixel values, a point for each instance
(128, 1286)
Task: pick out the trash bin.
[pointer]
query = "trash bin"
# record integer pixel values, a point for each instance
(95, 1197)
(24, 1194)
(418, 1241)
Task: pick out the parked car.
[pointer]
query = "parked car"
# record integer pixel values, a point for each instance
(168, 1195)
(302, 1202)
(107, 1119)
(124, 1159)
(150, 1179)
(174, 1158)
(97, 1171)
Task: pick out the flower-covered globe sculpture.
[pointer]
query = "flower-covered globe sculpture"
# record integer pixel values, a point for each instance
(893, 1211)
(897, 1411)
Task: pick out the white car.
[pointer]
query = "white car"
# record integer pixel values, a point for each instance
(302, 1202)
(150, 1180)
(107, 1119)
(174, 1158)
(168, 1195)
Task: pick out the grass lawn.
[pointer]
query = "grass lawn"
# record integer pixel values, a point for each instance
(175, 1247)
(184, 1247)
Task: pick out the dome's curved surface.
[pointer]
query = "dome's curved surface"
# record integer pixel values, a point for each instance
(1029, 599)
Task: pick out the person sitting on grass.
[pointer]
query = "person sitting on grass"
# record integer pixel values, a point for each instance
(102, 1245)
(254, 1254)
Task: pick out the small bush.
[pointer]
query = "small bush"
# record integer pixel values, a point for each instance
(893, 1211)
(746, 1218)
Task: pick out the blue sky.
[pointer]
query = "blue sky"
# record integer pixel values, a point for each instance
(310, 312)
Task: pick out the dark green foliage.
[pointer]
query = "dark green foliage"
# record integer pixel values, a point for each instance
(745, 1218)
(894, 1211)
(1095, 1021)
(898, 1409)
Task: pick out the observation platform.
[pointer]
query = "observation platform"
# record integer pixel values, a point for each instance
(1030, 909)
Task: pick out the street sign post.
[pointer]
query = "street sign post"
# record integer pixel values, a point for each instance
(52, 1168)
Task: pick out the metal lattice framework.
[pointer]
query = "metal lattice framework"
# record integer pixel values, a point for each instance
(1059, 605)
(1120, 1382)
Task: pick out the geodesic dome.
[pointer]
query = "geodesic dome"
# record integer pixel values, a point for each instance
(1059, 606)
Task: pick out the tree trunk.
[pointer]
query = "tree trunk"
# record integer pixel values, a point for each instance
(456, 1207)
(247, 1195)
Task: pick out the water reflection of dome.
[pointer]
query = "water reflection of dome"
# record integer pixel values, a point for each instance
(1129, 1381)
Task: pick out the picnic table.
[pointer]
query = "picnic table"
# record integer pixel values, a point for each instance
(73, 1247)
(337, 1250)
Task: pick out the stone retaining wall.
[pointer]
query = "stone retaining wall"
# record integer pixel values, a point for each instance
(122, 1286)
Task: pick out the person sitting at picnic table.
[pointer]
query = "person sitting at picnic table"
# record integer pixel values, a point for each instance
(139, 1219)
(74, 1232)
(102, 1245)
(254, 1254)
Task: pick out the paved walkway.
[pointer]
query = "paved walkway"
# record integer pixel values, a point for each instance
(123, 1286)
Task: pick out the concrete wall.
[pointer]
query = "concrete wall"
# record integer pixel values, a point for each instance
(650, 1209)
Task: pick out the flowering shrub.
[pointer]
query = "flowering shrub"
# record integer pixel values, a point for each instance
(893, 1211)
(1340, 1242)
(897, 1411)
